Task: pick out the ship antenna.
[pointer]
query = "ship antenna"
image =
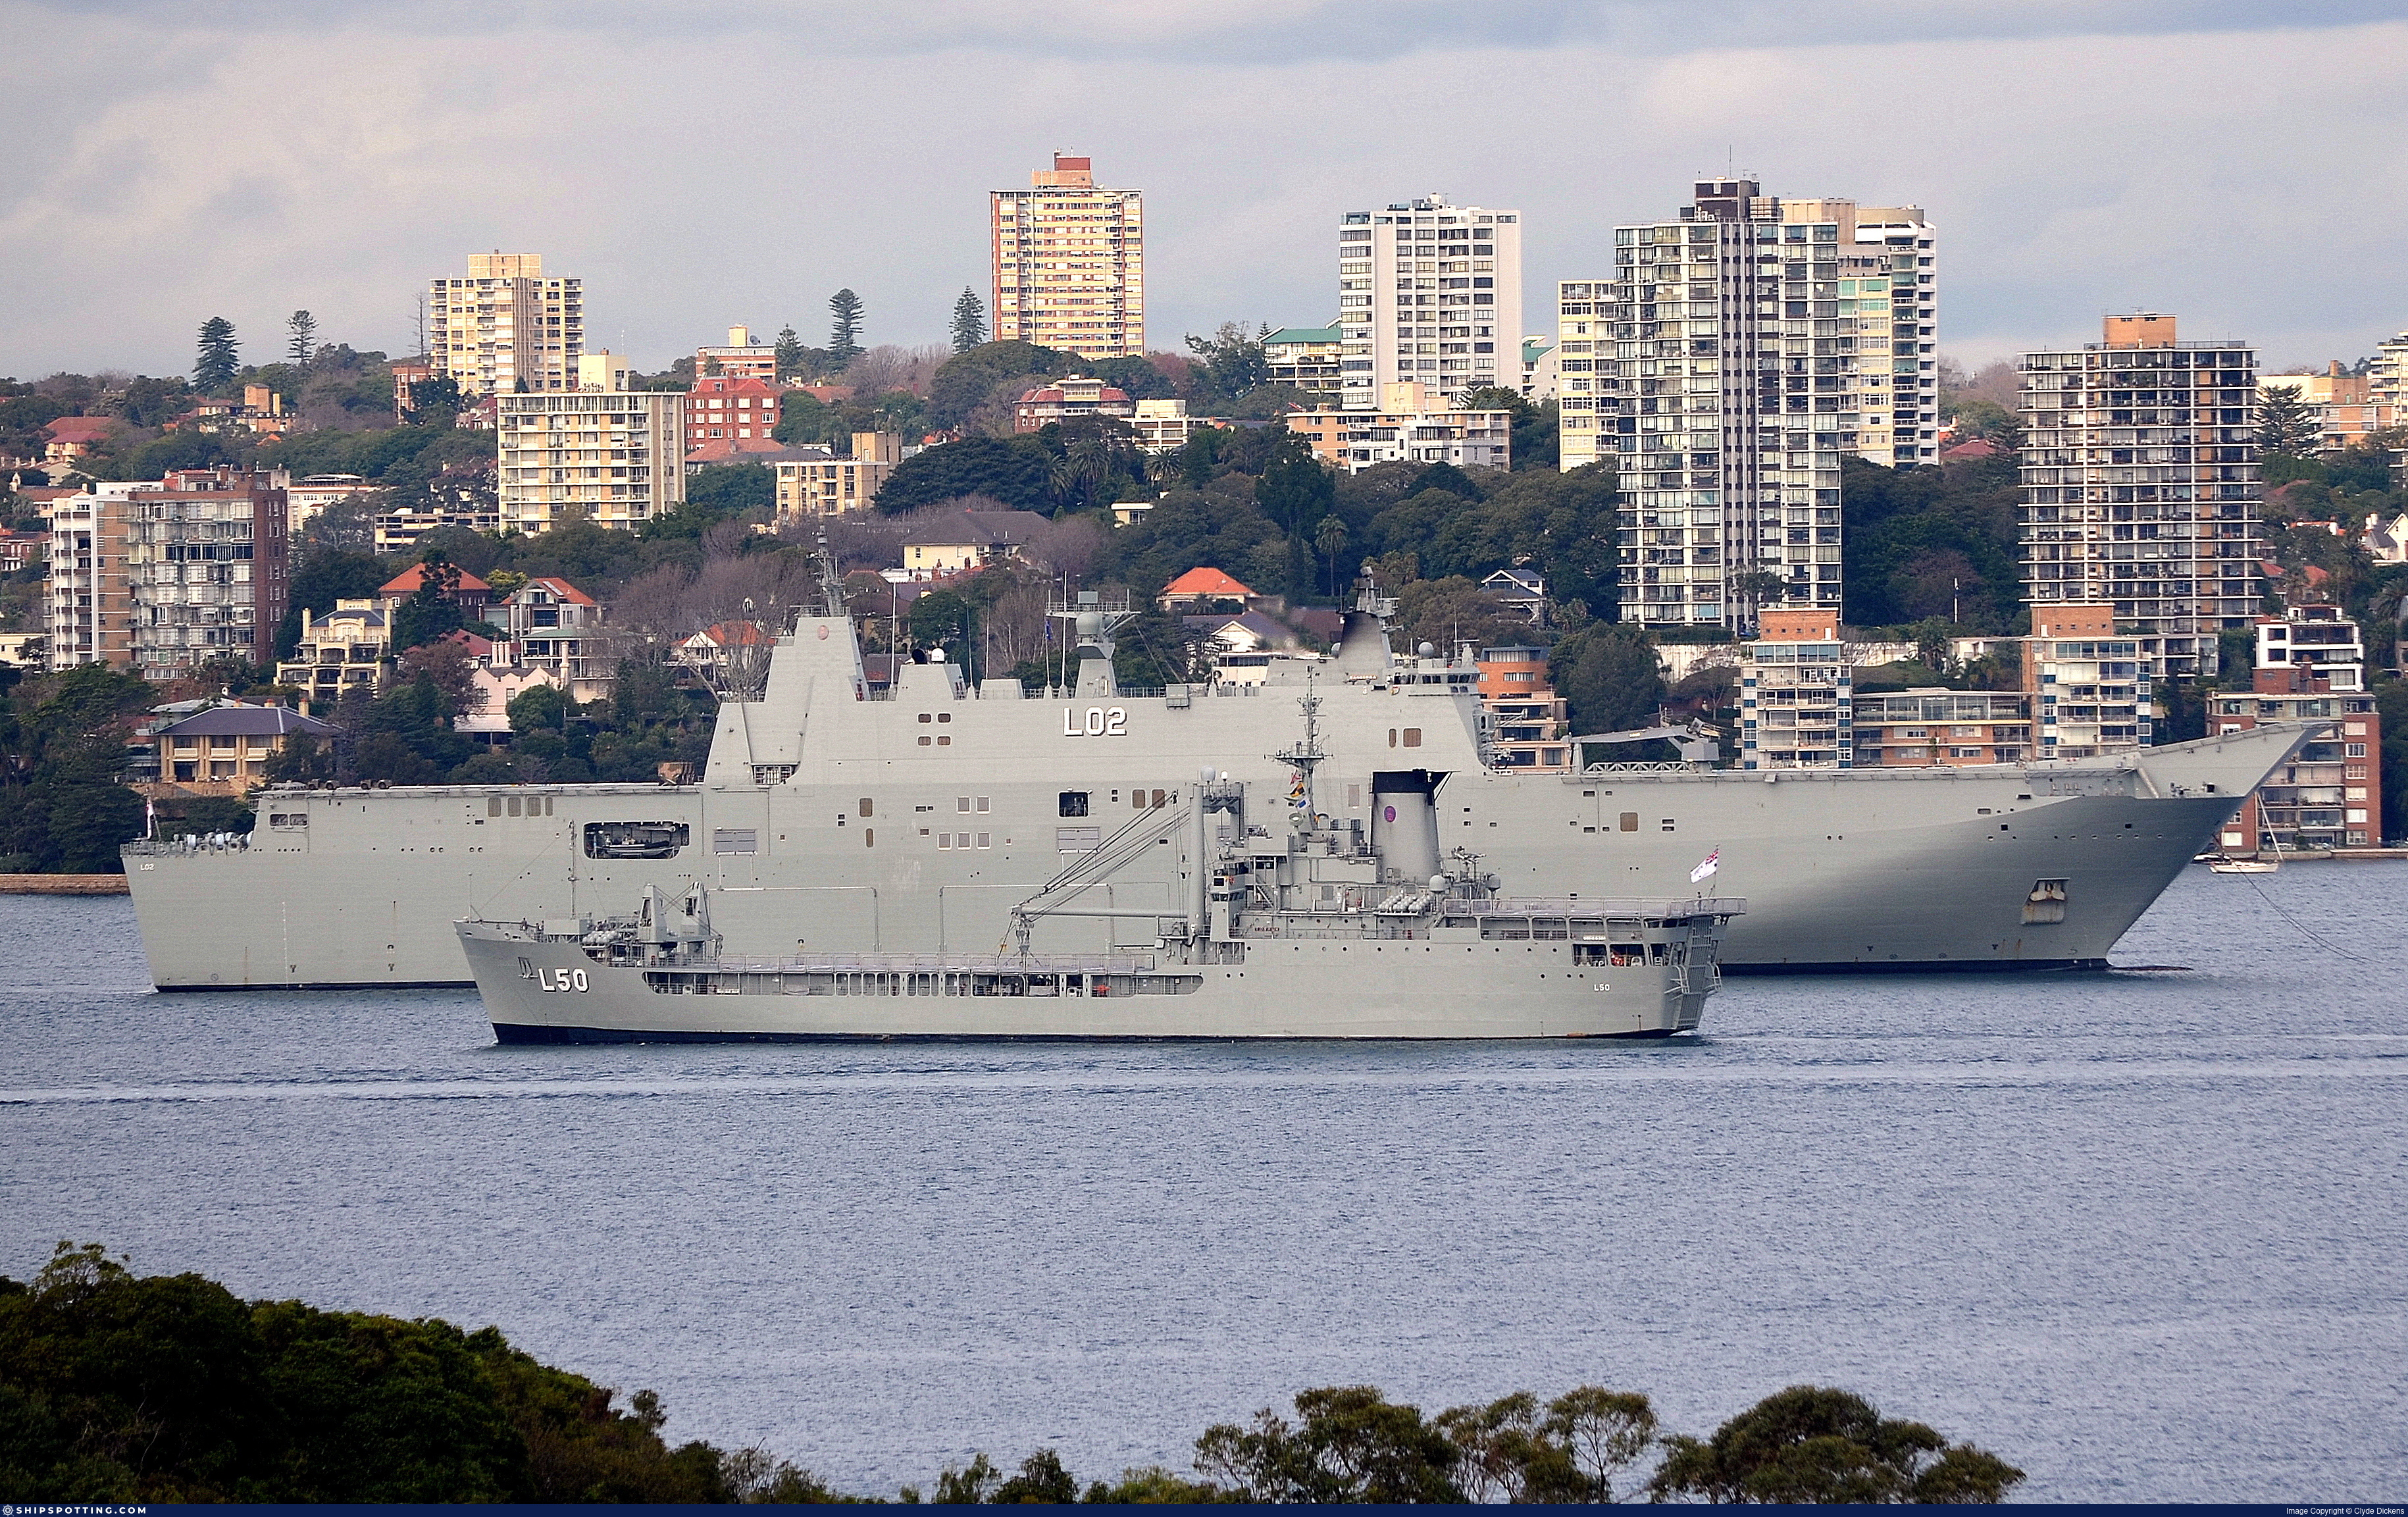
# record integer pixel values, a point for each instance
(1307, 754)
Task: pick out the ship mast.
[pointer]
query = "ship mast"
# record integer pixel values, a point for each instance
(1305, 757)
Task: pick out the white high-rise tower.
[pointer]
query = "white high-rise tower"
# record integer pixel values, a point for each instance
(1428, 292)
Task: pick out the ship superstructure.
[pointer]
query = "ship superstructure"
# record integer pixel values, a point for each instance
(910, 820)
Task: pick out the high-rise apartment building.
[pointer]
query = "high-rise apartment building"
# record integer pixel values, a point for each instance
(2140, 483)
(90, 603)
(614, 457)
(741, 357)
(1070, 263)
(506, 323)
(2387, 378)
(1428, 292)
(209, 568)
(1735, 356)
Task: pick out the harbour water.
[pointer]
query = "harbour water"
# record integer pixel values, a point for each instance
(2142, 1234)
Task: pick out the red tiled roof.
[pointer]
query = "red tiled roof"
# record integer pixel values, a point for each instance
(82, 428)
(745, 633)
(409, 580)
(561, 588)
(1978, 447)
(1206, 581)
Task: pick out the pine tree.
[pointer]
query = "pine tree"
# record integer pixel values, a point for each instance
(970, 321)
(220, 355)
(844, 330)
(303, 328)
(2287, 424)
(789, 354)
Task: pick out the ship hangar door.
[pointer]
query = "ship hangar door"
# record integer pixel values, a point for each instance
(1404, 820)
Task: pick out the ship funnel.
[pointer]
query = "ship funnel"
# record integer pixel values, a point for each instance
(1404, 823)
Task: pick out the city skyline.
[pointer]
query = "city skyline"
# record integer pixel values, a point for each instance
(381, 153)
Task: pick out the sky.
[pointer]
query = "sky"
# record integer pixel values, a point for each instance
(703, 166)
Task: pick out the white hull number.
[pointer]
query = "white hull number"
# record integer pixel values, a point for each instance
(560, 978)
(1098, 722)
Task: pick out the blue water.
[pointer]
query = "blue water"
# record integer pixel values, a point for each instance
(2141, 1234)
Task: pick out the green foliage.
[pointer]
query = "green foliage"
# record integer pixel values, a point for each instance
(965, 380)
(789, 354)
(1812, 1444)
(324, 577)
(1610, 679)
(732, 489)
(218, 357)
(62, 744)
(969, 320)
(1348, 1444)
(844, 330)
(2287, 425)
(1233, 358)
(120, 1388)
(302, 337)
(1219, 524)
(300, 759)
(432, 611)
(1139, 378)
(2391, 707)
(1918, 540)
(1018, 472)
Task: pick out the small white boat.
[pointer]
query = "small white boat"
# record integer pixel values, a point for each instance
(2226, 866)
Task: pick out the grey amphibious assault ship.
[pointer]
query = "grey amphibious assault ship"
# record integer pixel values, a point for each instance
(839, 819)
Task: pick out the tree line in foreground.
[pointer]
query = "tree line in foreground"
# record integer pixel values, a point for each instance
(115, 1387)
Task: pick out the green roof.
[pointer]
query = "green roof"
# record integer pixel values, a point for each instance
(1302, 333)
(1534, 349)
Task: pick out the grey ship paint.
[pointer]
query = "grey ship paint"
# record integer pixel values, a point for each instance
(830, 820)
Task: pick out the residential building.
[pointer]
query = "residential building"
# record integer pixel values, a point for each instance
(2329, 795)
(738, 406)
(407, 373)
(1411, 424)
(259, 413)
(1069, 398)
(599, 368)
(1162, 425)
(20, 549)
(304, 497)
(505, 325)
(25, 650)
(1541, 369)
(470, 593)
(1430, 293)
(1070, 263)
(741, 358)
(1925, 728)
(2089, 682)
(1737, 354)
(550, 624)
(397, 532)
(2317, 638)
(224, 748)
(209, 568)
(1527, 721)
(1797, 693)
(2346, 406)
(2386, 542)
(2140, 483)
(2387, 378)
(612, 457)
(1306, 357)
(344, 649)
(1196, 591)
(832, 486)
(950, 543)
(493, 685)
(91, 598)
(71, 437)
(1525, 590)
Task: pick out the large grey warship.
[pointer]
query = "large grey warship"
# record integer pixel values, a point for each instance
(910, 820)
(1304, 927)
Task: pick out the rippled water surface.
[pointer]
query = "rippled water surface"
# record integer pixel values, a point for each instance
(2142, 1233)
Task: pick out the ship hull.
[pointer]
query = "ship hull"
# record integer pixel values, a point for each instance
(543, 991)
(828, 823)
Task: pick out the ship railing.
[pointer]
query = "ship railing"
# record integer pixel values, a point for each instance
(1043, 964)
(210, 842)
(1603, 905)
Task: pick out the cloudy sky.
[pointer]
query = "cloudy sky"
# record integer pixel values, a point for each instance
(2240, 165)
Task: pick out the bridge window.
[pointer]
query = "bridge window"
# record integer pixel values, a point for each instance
(1073, 803)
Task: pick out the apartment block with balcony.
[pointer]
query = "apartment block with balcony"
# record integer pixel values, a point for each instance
(613, 457)
(741, 408)
(1796, 694)
(341, 651)
(224, 749)
(1306, 357)
(550, 624)
(1428, 292)
(1933, 728)
(504, 324)
(208, 567)
(741, 357)
(2089, 681)
(1411, 425)
(1527, 721)
(2140, 483)
(1733, 359)
(834, 486)
(90, 597)
(1070, 263)
(2317, 638)
(2345, 406)
(2329, 797)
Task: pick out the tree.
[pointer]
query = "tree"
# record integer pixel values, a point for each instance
(970, 321)
(1813, 1445)
(1610, 677)
(1234, 359)
(304, 341)
(844, 330)
(1018, 473)
(1330, 537)
(433, 610)
(1351, 1445)
(790, 352)
(2287, 425)
(220, 358)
